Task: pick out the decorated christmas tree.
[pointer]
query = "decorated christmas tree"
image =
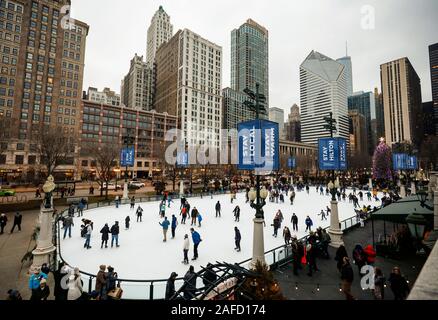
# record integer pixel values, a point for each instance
(382, 161)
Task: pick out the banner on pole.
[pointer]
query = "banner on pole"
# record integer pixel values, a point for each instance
(332, 154)
(127, 156)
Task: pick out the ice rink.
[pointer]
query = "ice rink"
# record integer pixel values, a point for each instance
(143, 254)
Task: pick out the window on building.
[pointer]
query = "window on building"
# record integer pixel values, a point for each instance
(19, 159)
(31, 160)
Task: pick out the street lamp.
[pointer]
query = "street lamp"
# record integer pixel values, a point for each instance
(416, 223)
(422, 197)
(334, 230)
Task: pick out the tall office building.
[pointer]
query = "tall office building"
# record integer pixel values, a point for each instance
(380, 115)
(41, 78)
(433, 56)
(322, 90)
(428, 119)
(277, 115)
(346, 62)
(189, 77)
(292, 127)
(107, 96)
(358, 134)
(137, 86)
(250, 58)
(401, 90)
(364, 103)
(159, 31)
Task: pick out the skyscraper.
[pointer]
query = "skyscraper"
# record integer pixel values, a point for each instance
(250, 58)
(159, 31)
(189, 76)
(358, 135)
(322, 90)
(292, 127)
(433, 56)
(137, 86)
(401, 90)
(364, 103)
(380, 116)
(277, 115)
(346, 62)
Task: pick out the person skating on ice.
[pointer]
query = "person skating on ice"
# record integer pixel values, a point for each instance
(218, 209)
(294, 221)
(127, 221)
(236, 212)
(196, 238)
(237, 238)
(286, 235)
(139, 213)
(89, 230)
(173, 225)
(183, 215)
(115, 230)
(132, 202)
(194, 215)
(186, 247)
(105, 231)
(165, 224)
(199, 219)
(276, 225)
(309, 224)
(322, 214)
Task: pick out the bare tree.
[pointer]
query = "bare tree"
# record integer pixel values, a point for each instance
(53, 146)
(105, 156)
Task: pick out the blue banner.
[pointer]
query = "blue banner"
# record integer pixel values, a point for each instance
(403, 161)
(332, 154)
(259, 145)
(182, 159)
(292, 163)
(127, 157)
(412, 163)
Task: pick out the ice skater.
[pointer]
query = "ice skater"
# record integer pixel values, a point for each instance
(68, 223)
(218, 209)
(132, 202)
(236, 214)
(196, 238)
(89, 230)
(162, 209)
(105, 231)
(169, 200)
(237, 238)
(139, 213)
(184, 215)
(3, 222)
(194, 215)
(173, 225)
(127, 220)
(165, 224)
(199, 219)
(292, 197)
(115, 234)
(322, 214)
(286, 235)
(294, 221)
(276, 225)
(186, 247)
(309, 224)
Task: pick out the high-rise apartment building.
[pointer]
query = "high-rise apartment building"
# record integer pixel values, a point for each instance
(346, 62)
(159, 31)
(41, 76)
(364, 103)
(250, 58)
(322, 90)
(292, 127)
(138, 85)
(433, 57)
(107, 96)
(188, 85)
(277, 115)
(401, 90)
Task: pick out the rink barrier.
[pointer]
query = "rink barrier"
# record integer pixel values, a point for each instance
(275, 258)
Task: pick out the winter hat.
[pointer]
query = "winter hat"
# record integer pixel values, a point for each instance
(174, 274)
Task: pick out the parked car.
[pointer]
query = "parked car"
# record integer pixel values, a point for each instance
(6, 193)
(138, 184)
(110, 186)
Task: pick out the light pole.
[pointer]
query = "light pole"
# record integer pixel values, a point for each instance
(259, 196)
(127, 140)
(334, 230)
(117, 171)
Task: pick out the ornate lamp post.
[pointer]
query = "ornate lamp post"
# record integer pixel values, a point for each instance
(334, 230)
(259, 196)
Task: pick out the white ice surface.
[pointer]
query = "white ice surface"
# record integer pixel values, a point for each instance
(143, 254)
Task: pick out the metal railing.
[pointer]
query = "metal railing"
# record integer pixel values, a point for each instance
(154, 289)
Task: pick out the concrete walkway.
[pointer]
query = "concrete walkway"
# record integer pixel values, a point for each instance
(328, 278)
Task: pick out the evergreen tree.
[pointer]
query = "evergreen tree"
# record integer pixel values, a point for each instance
(382, 159)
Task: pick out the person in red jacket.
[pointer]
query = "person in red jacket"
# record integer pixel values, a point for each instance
(370, 254)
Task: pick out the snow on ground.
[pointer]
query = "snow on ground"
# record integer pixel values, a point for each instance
(143, 254)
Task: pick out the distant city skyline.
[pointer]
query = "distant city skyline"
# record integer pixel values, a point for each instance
(292, 36)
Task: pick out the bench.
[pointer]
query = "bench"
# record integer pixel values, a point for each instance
(75, 200)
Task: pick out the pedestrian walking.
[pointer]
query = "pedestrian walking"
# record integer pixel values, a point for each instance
(236, 212)
(3, 222)
(294, 221)
(173, 225)
(186, 247)
(189, 287)
(311, 259)
(296, 255)
(341, 253)
(139, 213)
(170, 286)
(196, 238)
(88, 230)
(218, 209)
(237, 238)
(105, 231)
(370, 255)
(399, 285)
(359, 257)
(68, 223)
(35, 281)
(325, 241)
(165, 225)
(347, 277)
(379, 284)
(115, 230)
(127, 221)
(309, 223)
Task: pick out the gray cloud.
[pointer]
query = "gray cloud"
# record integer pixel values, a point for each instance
(404, 28)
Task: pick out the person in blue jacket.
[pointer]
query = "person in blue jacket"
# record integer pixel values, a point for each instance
(35, 279)
(196, 238)
(199, 219)
(165, 224)
(309, 223)
(174, 224)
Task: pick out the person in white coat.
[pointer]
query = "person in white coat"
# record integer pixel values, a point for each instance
(74, 285)
(186, 247)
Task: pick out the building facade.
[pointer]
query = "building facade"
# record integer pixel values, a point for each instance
(107, 96)
(346, 62)
(138, 85)
(322, 90)
(159, 31)
(188, 85)
(41, 78)
(306, 156)
(250, 58)
(364, 103)
(292, 127)
(277, 115)
(234, 112)
(101, 123)
(401, 91)
(433, 57)
(358, 134)
(380, 116)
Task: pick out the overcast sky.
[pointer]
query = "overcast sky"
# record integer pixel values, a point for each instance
(403, 28)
